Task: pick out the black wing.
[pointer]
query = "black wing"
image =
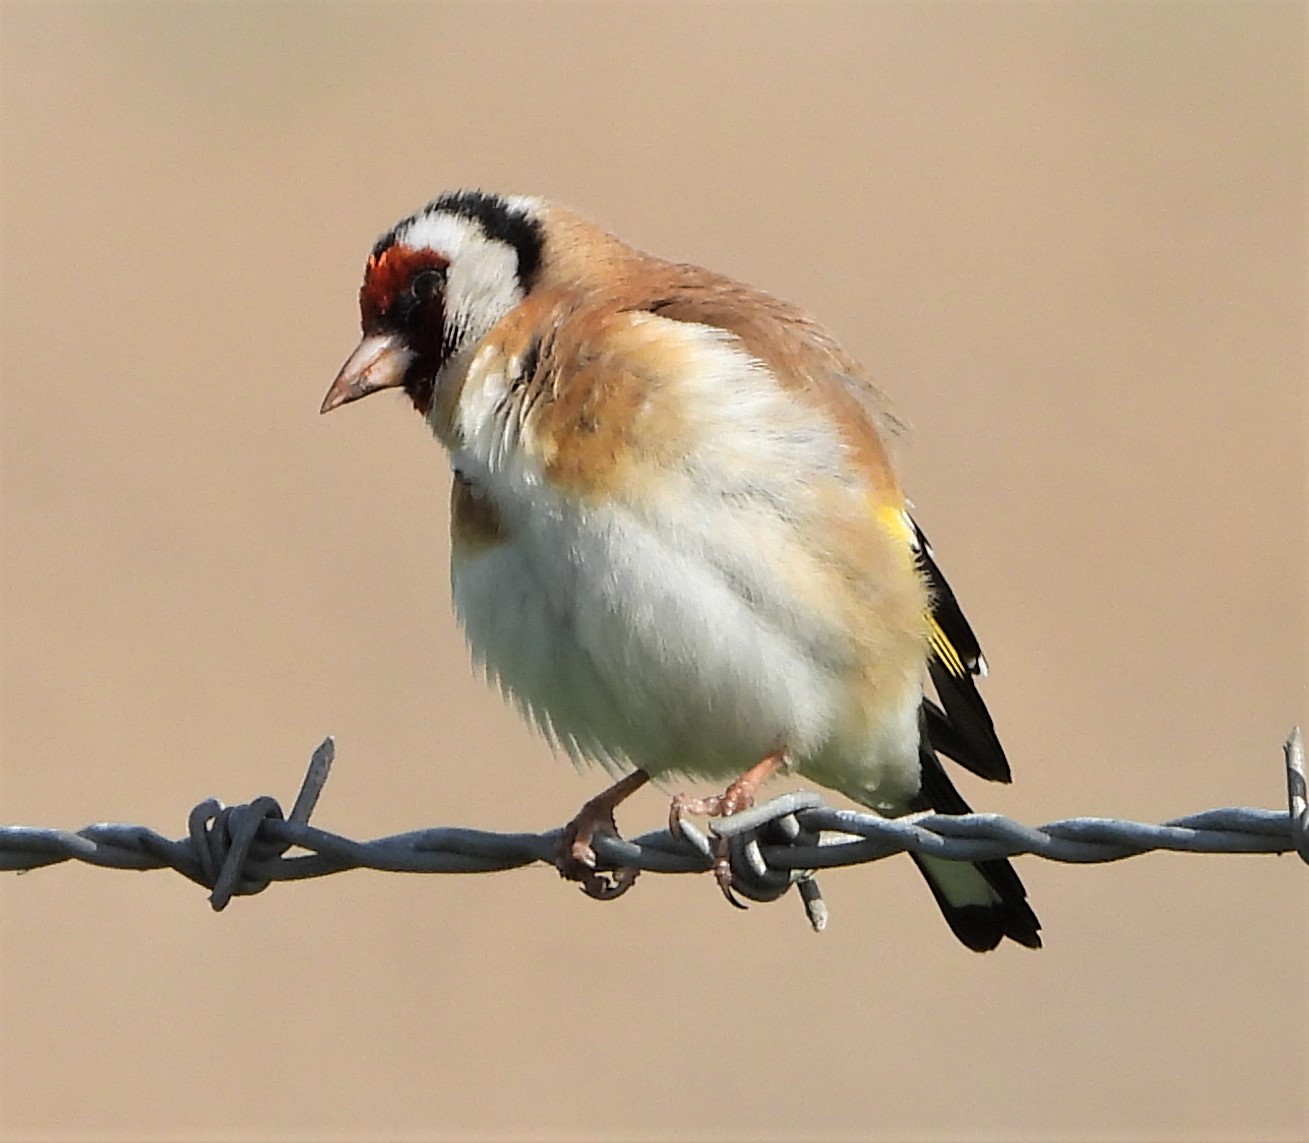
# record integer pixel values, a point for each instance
(963, 730)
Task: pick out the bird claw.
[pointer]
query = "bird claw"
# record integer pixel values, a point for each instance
(603, 885)
(575, 859)
(738, 796)
(723, 873)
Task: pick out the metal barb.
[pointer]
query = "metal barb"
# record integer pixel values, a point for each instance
(1297, 792)
(815, 907)
(234, 875)
(320, 767)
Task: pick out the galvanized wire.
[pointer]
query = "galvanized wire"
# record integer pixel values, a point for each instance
(240, 850)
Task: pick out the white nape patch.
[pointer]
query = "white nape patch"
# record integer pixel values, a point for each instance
(526, 204)
(482, 284)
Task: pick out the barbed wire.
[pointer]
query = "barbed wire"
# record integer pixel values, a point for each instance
(240, 850)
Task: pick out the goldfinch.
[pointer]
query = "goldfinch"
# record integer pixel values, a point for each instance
(678, 542)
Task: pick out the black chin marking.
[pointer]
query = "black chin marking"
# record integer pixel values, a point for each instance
(420, 386)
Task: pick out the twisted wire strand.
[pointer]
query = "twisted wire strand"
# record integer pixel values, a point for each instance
(240, 850)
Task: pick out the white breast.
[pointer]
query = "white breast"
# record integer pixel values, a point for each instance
(621, 643)
(670, 630)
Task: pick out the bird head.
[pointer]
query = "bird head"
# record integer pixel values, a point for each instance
(434, 285)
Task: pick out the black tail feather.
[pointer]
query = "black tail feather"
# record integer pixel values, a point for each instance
(984, 902)
(973, 742)
(979, 926)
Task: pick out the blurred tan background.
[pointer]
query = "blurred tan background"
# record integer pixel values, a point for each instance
(1071, 241)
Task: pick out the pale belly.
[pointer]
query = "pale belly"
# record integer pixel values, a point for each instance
(680, 649)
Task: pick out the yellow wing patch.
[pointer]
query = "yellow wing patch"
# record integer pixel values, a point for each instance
(896, 521)
(944, 650)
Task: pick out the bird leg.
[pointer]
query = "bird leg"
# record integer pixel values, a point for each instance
(575, 859)
(738, 796)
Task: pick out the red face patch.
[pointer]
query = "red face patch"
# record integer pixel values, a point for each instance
(388, 275)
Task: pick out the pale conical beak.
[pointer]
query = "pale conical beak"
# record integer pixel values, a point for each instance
(379, 362)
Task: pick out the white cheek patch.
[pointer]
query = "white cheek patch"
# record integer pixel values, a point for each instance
(482, 284)
(495, 441)
(485, 390)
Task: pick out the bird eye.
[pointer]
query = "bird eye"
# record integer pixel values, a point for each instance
(427, 284)
(411, 306)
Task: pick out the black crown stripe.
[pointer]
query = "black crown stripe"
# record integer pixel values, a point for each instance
(499, 221)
